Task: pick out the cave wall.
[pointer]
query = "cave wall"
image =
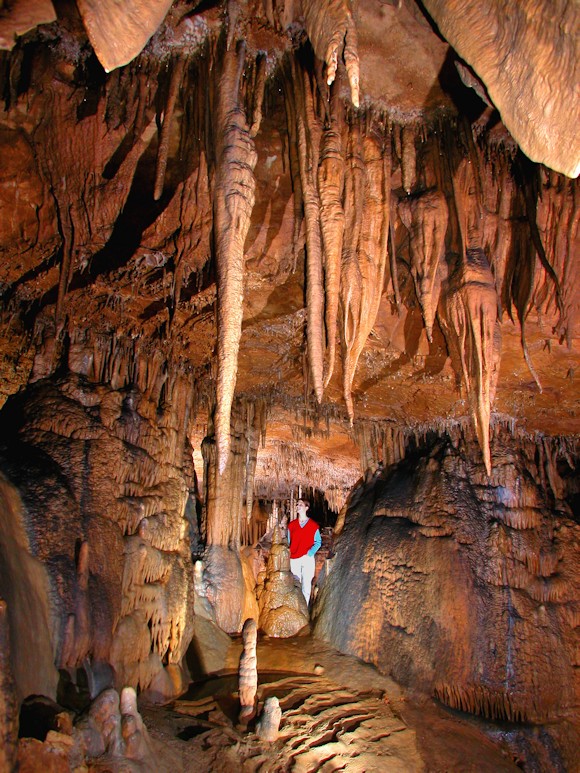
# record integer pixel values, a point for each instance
(462, 587)
(96, 465)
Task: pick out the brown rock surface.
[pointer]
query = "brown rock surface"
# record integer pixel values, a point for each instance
(285, 242)
(464, 588)
(119, 575)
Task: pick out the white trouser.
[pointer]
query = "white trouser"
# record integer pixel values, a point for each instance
(303, 569)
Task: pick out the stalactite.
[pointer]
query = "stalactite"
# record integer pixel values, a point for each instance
(351, 280)
(332, 31)
(408, 159)
(471, 309)
(331, 186)
(308, 133)
(258, 94)
(393, 257)
(365, 252)
(471, 315)
(425, 217)
(291, 122)
(233, 204)
(483, 701)
(165, 132)
(76, 642)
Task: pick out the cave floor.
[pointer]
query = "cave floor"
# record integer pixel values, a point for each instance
(338, 714)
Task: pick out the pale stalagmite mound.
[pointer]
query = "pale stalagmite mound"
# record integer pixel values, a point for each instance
(283, 609)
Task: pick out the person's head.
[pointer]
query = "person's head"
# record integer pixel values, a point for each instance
(302, 509)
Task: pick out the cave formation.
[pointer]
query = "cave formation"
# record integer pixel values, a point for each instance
(257, 251)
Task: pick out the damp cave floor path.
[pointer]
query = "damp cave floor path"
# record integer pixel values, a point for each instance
(339, 713)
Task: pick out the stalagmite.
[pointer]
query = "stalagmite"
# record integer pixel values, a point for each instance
(425, 217)
(248, 670)
(233, 204)
(269, 723)
(331, 28)
(283, 608)
(136, 738)
(330, 187)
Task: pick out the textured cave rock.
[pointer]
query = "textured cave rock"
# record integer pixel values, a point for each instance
(101, 479)
(287, 242)
(527, 56)
(463, 587)
(8, 706)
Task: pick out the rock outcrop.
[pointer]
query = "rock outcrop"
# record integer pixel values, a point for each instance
(463, 587)
(102, 481)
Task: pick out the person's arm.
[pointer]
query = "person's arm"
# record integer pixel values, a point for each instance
(317, 544)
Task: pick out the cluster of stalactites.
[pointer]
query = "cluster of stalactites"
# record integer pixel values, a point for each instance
(341, 168)
(284, 465)
(361, 184)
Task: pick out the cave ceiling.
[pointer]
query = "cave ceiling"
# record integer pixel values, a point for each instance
(330, 186)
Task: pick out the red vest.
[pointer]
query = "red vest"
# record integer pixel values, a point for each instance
(301, 537)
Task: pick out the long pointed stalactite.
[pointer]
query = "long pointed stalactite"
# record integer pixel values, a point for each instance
(471, 308)
(425, 217)
(175, 80)
(331, 189)
(365, 253)
(309, 135)
(233, 203)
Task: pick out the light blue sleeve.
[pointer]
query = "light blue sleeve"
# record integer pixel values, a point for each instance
(317, 544)
(288, 536)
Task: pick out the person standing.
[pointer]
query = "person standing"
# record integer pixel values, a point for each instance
(304, 538)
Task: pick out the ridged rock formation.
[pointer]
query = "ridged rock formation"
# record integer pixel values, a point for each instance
(467, 589)
(103, 480)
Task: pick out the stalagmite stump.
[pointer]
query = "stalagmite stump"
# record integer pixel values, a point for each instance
(269, 723)
(136, 739)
